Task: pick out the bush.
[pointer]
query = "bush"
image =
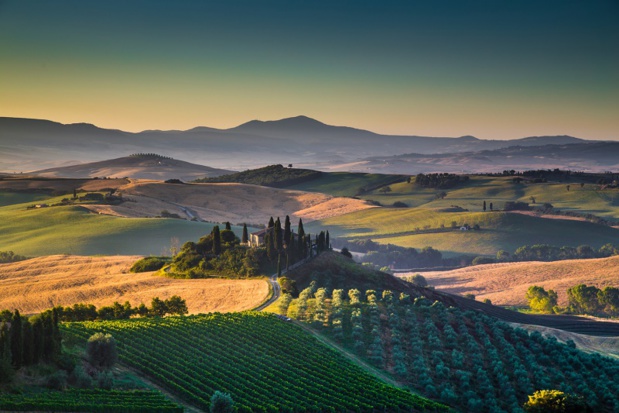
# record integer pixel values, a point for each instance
(221, 403)
(398, 204)
(550, 401)
(101, 351)
(148, 264)
(58, 380)
(105, 380)
(483, 260)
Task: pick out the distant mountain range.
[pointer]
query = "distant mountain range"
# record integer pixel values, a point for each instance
(28, 145)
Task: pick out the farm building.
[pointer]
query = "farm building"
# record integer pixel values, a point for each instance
(256, 239)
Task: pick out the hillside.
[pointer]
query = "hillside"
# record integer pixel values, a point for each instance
(264, 363)
(31, 144)
(37, 284)
(237, 203)
(506, 283)
(137, 167)
(421, 227)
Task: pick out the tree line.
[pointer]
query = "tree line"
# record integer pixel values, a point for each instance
(25, 341)
(439, 180)
(582, 299)
(174, 305)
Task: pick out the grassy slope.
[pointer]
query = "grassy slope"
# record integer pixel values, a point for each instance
(11, 198)
(73, 230)
(343, 183)
(499, 230)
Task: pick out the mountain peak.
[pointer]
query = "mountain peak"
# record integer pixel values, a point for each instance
(300, 121)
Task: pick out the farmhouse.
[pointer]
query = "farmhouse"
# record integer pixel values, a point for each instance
(256, 239)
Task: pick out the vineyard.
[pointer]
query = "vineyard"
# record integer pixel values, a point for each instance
(112, 401)
(465, 359)
(264, 363)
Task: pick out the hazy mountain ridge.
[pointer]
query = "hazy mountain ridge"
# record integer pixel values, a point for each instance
(139, 167)
(29, 144)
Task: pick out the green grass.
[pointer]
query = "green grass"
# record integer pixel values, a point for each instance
(264, 363)
(344, 183)
(499, 190)
(11, 198)
(74, 230)
(499, 230)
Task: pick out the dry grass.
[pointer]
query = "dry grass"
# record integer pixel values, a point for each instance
(37, 284)
(507, 283)
(237, 203)
(20, 183)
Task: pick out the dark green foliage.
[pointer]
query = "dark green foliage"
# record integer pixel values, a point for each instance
(10, 256)
(228, 226)
(417, 279)
(94, 400)
(275, 176)
(301, 374)
(287, 230)
(221, 403)
(440, 180)
(17, 340)
(245, 237)
(344, 251)
(583, 299)
(516, 206)
(148, 264)
(483, 260)
(176, 305)
(101, 351)
(399, 204)
(57, 380)
(158, 307)
(228, 237)
(216, 250)
(475, 362)
(288, 286)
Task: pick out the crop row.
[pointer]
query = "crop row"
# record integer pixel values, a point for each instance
(267, 365)
(112, 401)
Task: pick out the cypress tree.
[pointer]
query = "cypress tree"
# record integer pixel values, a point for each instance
(6, 371)
(327, 242)
(279, 265)
(287, 230)
(279, 241)
(302, 247)
(228, 226)
(28, 355)
(245, 237)
(484, 206)
(216, 240)
(38, 346)
(17, 340)
(271, 223)
(56, 337)
(300, 230)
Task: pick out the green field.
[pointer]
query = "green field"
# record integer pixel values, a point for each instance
(74, 230)
(344, 183)
(498, 190)
(499, 230)
(11, 198)
(265, 364)
(112, 401)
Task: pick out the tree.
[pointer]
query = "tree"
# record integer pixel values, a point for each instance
(484, 207)
(609, 298)
(176, 305)
(158, 307)
(503, 256)
(327, 241)
(583, 299)
(490, 206)
(245, 237)
(221, 403)
(287, 231)
(216, 240)
(418, 280)
(17, 340)
(385, 189)
(302, 251)
(345, 252)
(279, 239)
(540, 299)
(555, 401)
(228, 226)
(101, 351)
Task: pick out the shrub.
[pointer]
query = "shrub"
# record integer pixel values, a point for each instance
(58, 380)
(148, 264)
(221, 403)
(483, 260)
(101, 351)
(398, 204)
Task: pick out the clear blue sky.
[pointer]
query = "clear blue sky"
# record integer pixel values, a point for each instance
(493, 69)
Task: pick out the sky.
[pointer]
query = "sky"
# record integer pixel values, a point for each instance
(487, 68)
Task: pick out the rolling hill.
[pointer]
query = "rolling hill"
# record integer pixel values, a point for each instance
(137, 167)
(505, 284)
(37, 284)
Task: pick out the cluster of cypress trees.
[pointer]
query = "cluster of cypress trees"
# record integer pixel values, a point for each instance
(283, 243)
(25, 341)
